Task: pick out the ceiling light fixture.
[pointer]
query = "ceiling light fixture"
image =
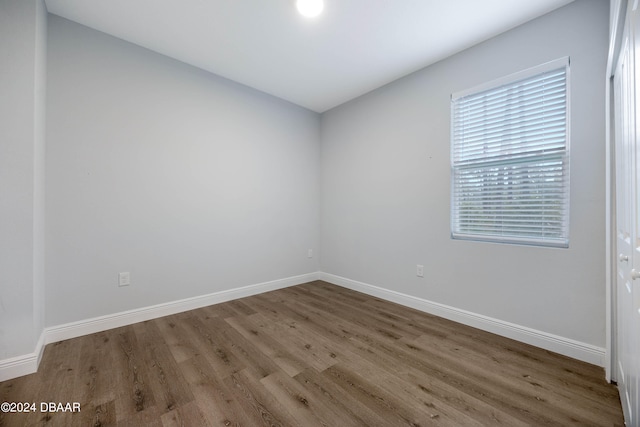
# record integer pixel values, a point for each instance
(310, 8)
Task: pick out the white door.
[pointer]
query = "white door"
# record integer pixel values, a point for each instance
(627, 157)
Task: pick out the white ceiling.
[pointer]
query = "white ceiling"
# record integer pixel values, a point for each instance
(354, 47)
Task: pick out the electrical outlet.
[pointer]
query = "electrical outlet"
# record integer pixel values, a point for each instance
(124, 279)
(420, 270)
(310, 253)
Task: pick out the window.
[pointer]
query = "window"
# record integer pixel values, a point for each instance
(510, 159)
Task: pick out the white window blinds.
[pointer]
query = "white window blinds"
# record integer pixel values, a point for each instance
(510, 159)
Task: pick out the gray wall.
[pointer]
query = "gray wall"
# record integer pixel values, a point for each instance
(23, 29)
(192, 183)
(385, 186)
(196, 184)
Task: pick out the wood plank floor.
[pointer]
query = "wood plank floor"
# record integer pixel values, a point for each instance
(309, 355)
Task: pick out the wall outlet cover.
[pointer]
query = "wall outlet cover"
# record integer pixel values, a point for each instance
(124, 279)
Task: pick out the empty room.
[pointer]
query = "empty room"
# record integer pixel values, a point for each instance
(319, 213)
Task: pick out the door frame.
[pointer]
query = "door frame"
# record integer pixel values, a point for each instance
(618, 15)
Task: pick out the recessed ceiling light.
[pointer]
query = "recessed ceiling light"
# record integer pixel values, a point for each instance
(310, 8)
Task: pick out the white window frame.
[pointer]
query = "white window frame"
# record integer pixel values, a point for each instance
(459, 231)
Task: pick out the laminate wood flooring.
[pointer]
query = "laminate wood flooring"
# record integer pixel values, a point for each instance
(310, 355)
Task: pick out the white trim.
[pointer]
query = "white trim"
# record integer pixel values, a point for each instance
(514, 77)
(116, 320)
(28, 363)
(565, 346)
(610, 263)
(22, 365)
(617, 15)
(18, 366)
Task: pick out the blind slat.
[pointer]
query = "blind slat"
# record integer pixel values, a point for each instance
(522, 107)
(528, 84)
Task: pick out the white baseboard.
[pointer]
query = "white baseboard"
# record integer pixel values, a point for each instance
(565, 346)
(28, 363)
(102, 323)
(22, 365)
(18, 366)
